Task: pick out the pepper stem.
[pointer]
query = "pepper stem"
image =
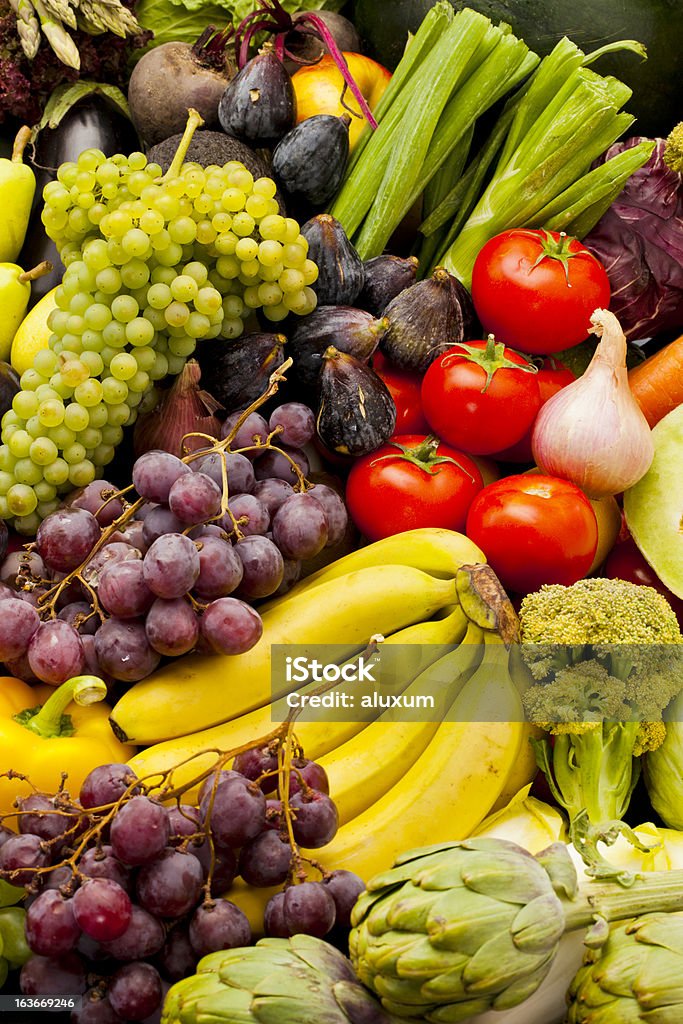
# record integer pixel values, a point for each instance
(84, 690)
(194, 121)
(20, 144)
(40, 271)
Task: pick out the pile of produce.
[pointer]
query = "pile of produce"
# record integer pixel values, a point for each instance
(341, 564)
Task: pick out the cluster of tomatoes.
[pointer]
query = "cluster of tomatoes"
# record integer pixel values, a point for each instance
(534, 293)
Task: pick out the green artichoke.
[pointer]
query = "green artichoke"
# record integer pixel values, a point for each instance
(636, 977)
(461, 928)
(278, 981)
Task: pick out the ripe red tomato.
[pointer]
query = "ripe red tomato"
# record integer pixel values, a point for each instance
(534, 530)
(552, 377)
(537, 290)
(473, 411)
(625, 562)
(404, 388)
(404, 486)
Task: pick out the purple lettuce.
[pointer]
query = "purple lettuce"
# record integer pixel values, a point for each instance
(640, 242)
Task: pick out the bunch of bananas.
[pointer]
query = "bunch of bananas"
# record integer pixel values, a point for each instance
(396, 783)
(52, 18)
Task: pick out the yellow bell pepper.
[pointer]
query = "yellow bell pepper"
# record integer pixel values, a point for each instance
(46, 731)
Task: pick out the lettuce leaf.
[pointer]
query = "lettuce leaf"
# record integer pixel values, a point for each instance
(238, 9)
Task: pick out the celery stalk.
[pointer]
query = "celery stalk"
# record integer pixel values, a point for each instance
(438, 189)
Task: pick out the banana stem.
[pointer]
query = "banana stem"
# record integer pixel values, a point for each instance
(40, 271)
(20, 143)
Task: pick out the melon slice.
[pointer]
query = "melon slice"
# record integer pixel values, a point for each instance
(654, 506)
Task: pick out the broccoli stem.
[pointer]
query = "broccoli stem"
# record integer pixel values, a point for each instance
(595, 770)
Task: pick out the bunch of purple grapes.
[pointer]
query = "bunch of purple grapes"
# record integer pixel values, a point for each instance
(144, 904)
(182, 573)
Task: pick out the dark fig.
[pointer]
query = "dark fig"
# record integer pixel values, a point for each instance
(385, 277)
(311, 159)
(357, 414)
(9, 387)
(341, 273)
(236, 372)
(350, 330)
(259, 105)
(426, 319)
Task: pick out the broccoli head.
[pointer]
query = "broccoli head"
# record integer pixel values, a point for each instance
(673, 153)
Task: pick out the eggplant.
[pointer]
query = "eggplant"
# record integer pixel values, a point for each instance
(259, 105)
(357, 413)
(426, 319)
(341, 273)
(385, 277)
(236, 372)
(311, 159)
(350, 330)
(95, 122)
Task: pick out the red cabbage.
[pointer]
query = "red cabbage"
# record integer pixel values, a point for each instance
(640, 242)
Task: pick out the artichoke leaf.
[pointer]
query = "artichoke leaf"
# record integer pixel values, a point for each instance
(402, 990)
(497, 964)
(230, 1006)
(539, 925)
(287, 1008)
(412, 912)
(321, 957)
(384, 954)
(422, 851)
(559, 867)
(463, 920)
(357, 1004)
(520, 990)
(454, 1013)
(423, 960)
(503, 878)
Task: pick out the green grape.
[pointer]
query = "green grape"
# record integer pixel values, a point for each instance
(30, 380)
(233, 306)
(221, 222)
(6, 481)
(276, 313)
(159, 296)
(176, 314)
(269, 253)
(44, 491)
(21, 500)
(62, 436)
(151, 221)
(45, 362)
(74, 453)
(297, 301)
(231, 328)
(183, 230)
(247, 250)
(160, 240)
(97, 316)
(243, 224)
(167, 205)
(114, 336)
(228, 267)
(292, 231)
(29, 524)
(160, 368)
(74, 372)
(180, 347)
(310, 272)
(241, 178)
(139, 383)
(9, 429)
(88, 393)
(97, 416)
(175, 363)
(75, 325)
(108, 280)
(249, 270)
(57, 473)
(257, 206)
(76, 417)
(265, 187)
(144, 356)
(19, 443)
(114, 391)
(112, 434)
(51, 412)
(226, 244)
(25, 404)
(124, 308)
(139, 331)
(156, 318)
(123, 367)
(171, 256)
(269, 294)
(94, 362)
(27, 472)
(198, 271)
(184, 288)
(117, 416)
(197, 325)
(43, 451)
(206, 233)
(90, 437)
(64, 391)
(273, 227)
(232, 199)
(135, 274)
(271, 274)
(294, 255)
(72, 344)
(82, 473)
(103, 454)
(207, 301)
(251, 297)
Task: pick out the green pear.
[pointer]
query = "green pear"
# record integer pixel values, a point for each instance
(15, 292)
(17, 188)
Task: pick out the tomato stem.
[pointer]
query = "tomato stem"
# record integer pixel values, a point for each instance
(423, 455)
(491, 359)
(556, 250)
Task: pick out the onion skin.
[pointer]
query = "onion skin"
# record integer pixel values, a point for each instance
(183, 409)
(593, 432)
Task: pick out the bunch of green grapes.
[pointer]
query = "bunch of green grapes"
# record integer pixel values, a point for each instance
(153, 265)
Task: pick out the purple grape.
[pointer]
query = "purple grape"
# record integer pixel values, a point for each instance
(240, 472)
(90, 660)
(94, 498)
(46, 819)
(95, 1009)
(55, 652)
(238, 813)
(265, 860)
(177, 959)
(274, 917)
(171, 566)
(170, 886)
(53, 976)
(122, 590)
(61, 878)
(263, 567)
(253, 427)
(33, 597)
(221, 926)
(158, 523)
(20, 668)
(195, 498)
(172, 627)
(105, 785)
(274, 815)
(230, 626)
(274, 464)
(20, 856)
(100, 862)
(5, 834)
(102, 909)
(66, 538)
(135, 991)
(255, 763)
(291, 575)
(272, 492)
(308, 909)
(297, 422)
(143, 937)
(71, 592)
(18, 623)
(300, 527)
(220, 568)
(224, 866)
(155, 472)
(246, 507)
(134, 535)
(139, 831)
(80, 616)
(5, 591)
(312, 774)
(51, 927)
(183, 821)
(110, 554)
(316, 819)
(207, 530)
(335, 512)
(123, 650)
(22, 564)
(344, 887)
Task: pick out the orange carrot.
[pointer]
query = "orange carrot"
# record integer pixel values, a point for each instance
(657, 384)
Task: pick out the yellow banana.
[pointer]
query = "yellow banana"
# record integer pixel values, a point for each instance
(433, 550)
(193, 693)
(423, 643)
(524, 769)
(364, 768)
